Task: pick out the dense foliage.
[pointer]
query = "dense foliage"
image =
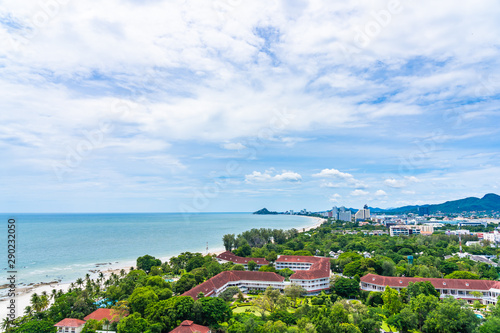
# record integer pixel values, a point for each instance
(145, 302)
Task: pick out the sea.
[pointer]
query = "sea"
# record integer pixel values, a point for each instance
(64, 247)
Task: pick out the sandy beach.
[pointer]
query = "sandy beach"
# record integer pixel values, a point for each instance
(23, 293)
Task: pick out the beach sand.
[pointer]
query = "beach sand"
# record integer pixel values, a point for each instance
(24, 293)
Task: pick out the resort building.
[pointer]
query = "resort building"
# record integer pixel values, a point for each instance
(187, 326)
(70, 325)
(457, 288)
(231, 257)
(406, 230)
(311, 273)
(244, 280)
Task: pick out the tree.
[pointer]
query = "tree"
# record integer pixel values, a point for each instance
(185, 283)
(285, 272)
(228, 294)
(392, 301)
(451, 316)
(271, 256)
(345, 287)
(238, 267)
(210, 311)
(294, 291)
(146, 262)
(195, 262)
(405, 321)
(141, 298)
(492, 325)
(133, 324)
(347, 328)
(462, 275)
(169, 312)
(229, 241)
(35, 326)
(252, 265)
(422, 305)
(244, 250)
(421, 287)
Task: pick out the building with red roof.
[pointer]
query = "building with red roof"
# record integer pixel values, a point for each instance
(458, 288)
(244, 280)
(231, 257)
(187, 326)
(70, 325)
(311, 273)
(102, 313)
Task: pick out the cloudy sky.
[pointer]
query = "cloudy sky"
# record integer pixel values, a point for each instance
(232, 105)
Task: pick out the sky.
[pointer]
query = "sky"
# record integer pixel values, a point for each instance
(232, 105)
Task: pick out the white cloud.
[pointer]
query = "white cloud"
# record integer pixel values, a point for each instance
(233, 146)
(329, 185)
(333, 173)
(412, 179)
(380, 193)
(335, 197)
(358, 193)
(267, 176)
(391, 182)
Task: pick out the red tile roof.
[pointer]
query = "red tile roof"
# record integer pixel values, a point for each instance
(229, 256)
(215, 283)
(402, 282)
(70, 322)
(102, 313)
(187, 326)
(320, 267)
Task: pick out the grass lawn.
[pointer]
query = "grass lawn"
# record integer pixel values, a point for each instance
(243, 309)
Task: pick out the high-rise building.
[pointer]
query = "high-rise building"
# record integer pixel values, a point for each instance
(362, 214)
(344, 214)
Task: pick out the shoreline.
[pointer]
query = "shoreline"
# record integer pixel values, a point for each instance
(24, 292)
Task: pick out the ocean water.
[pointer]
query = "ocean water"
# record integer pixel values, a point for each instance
(64, 247)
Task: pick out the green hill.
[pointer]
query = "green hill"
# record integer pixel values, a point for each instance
(490, 202)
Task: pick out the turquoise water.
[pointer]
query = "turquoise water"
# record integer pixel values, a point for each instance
(66, 246)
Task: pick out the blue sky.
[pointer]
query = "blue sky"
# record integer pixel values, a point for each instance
(172, 106)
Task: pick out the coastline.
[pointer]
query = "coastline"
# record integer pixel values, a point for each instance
(24, 292)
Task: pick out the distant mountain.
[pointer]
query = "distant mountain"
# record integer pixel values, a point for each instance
(490, 202)
(264, 211)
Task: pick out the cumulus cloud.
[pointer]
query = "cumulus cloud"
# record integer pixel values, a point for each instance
(358, 193)
(335, 197)
(269, 176)
(333, 173)
(392, 182)
(233, 146)
(380, 193)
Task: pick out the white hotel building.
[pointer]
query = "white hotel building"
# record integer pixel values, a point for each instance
(311, 273)
(457, 288)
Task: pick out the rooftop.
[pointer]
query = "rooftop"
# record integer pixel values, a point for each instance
(70, 322)
(403, 282)
(229, 256)
(187, 326)
(215, 283)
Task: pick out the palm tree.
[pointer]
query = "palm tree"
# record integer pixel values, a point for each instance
(54, 294)
(6, 323)
(122, 272)
(36, 302)
(79, 282)
(28, 311)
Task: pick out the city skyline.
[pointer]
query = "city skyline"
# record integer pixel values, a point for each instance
(228, 106)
